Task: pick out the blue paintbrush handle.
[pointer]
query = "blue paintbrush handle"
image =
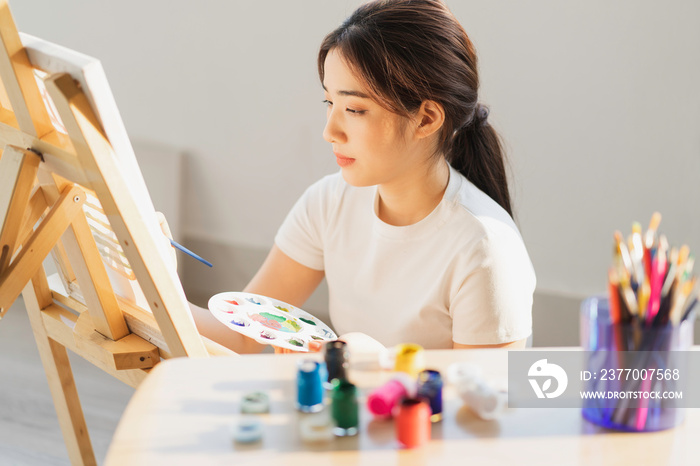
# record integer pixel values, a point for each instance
(190, 253)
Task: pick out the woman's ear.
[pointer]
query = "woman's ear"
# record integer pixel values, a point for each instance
(430, 118)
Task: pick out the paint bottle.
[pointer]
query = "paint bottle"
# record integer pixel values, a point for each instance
(248, 429)
(463, 372)
(413, 422)
(316, 428)
(309, 386)
(382, 400)
(486, 402)
(337, 358)
(344, 408)
(255, 403)
(410, 358)
(430, 388)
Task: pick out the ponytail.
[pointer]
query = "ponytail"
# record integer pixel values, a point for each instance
(476, 152)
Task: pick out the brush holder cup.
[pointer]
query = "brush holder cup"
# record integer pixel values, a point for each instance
(634, 374)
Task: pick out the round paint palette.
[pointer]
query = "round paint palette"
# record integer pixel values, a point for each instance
(269, 321)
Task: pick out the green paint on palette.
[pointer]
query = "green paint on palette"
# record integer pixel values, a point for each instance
(295, 342)
(273, 316)
(291, 325)
(308, 321)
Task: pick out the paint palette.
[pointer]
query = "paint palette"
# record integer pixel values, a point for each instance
(269, 321)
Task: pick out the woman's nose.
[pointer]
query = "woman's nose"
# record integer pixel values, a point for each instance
(333, 131)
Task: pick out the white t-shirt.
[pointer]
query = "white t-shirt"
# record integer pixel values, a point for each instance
(462, 274)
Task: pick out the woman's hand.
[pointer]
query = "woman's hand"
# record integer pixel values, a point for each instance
(358, 343)
(166, 231)
(210, 327)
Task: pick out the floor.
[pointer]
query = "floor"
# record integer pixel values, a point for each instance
(29, 431)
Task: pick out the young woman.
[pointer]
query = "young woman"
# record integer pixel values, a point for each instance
(415, 233)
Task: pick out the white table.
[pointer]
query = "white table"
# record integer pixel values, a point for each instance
(182, 412)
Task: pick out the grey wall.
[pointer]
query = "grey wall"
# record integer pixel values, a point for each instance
(598, 101)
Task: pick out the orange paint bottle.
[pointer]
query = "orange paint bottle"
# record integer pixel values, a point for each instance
(413, 422)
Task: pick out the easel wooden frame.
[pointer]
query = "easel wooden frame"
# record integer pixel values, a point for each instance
(45, 177)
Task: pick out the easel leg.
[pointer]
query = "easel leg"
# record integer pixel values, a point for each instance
(64, 392)
(18, 170)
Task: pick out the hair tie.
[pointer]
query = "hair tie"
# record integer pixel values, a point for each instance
(481, 114)
(479, 117)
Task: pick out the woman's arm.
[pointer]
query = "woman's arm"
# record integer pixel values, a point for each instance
(279, 277)
(512, 344)
(283, 278)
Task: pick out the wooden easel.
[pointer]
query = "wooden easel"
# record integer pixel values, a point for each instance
(45, 178)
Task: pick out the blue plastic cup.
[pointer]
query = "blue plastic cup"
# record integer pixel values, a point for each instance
(635, 363)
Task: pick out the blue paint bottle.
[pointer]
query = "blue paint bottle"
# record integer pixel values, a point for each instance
(309, 386)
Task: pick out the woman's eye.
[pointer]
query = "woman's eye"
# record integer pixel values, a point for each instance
(349, 110)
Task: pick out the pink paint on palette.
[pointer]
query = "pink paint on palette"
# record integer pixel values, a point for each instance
(269, 321)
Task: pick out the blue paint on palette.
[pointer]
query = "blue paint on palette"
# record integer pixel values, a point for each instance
(239, 322)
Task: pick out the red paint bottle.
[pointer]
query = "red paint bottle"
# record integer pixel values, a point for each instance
(413, 422)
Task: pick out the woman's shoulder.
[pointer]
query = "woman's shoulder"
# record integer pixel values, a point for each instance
(490, 238)
(488, 235)
(478, 212)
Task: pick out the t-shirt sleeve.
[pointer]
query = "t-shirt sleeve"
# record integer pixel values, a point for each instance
(301, 234)
(492, 302)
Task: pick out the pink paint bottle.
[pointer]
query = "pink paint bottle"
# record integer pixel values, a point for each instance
(382, 400)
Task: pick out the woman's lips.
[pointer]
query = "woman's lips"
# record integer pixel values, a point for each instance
(343, 161)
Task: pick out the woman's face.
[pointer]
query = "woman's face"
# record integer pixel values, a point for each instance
(372, 145)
